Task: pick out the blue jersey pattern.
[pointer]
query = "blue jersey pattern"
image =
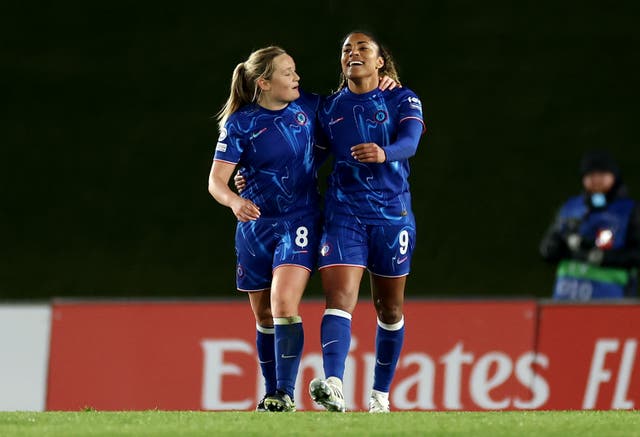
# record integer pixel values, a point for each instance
(374, 193)
(275, 152)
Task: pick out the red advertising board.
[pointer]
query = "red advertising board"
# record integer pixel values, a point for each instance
(201, 356)
(484, 355)
(134, 356)
(592, 353)
(464, 356)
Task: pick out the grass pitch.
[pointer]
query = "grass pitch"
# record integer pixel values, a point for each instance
(198, 423)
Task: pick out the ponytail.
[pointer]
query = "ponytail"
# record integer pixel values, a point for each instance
(244, 81)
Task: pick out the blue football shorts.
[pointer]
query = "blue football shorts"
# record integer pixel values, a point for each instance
(385, 250)
(264, 244)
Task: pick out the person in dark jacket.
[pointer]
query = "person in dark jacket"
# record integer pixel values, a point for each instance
(595, 237)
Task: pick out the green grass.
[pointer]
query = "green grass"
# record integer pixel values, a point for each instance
(195, 423)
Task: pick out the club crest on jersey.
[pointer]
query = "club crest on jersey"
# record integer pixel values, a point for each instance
(380, 116)
(301, 118)
(223, 134)
(325, 249)
(239, 271)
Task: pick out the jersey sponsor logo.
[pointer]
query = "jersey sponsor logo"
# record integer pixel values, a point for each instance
(401, 260)
(334, 121)
(257, 134)
(221, 147)
(381, 116)
(223, 134)
(414, 101)
(301, 118)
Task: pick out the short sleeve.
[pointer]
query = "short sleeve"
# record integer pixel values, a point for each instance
(230, 145)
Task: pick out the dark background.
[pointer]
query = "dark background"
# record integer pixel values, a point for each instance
(107, 134)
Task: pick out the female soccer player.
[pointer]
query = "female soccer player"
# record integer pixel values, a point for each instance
(369, 223)
(267, 128)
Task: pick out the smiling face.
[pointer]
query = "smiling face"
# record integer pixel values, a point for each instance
(282, 87)
(360, 58)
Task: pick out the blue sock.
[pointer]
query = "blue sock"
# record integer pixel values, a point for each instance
(389, 339)
(267, 357)
(289, 342)
(335, 336)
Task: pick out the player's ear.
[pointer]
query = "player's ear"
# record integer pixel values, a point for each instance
(379, 62)
(264, 84)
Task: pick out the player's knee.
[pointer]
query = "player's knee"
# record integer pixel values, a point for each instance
(342, 300)
(264, 317)
(389, 314)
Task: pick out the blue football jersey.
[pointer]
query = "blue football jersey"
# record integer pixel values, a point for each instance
(374, 193)
(275, 152)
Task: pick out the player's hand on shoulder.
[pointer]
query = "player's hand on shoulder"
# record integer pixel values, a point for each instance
(387, 83)
(245, 210)
(369, 153)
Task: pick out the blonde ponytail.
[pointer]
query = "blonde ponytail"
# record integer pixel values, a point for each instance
(244, 81)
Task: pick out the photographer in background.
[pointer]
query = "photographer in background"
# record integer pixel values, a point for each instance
(595, 237)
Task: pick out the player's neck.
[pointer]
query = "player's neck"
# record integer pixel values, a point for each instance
(363, 85)
(271, 104)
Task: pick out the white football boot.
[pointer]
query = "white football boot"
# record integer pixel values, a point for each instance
(379, 402)
(328, 393)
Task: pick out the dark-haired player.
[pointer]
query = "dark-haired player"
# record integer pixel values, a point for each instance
(369, 223)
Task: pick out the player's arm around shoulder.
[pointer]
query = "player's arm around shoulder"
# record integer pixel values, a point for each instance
(219, 177)
(227, 155)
